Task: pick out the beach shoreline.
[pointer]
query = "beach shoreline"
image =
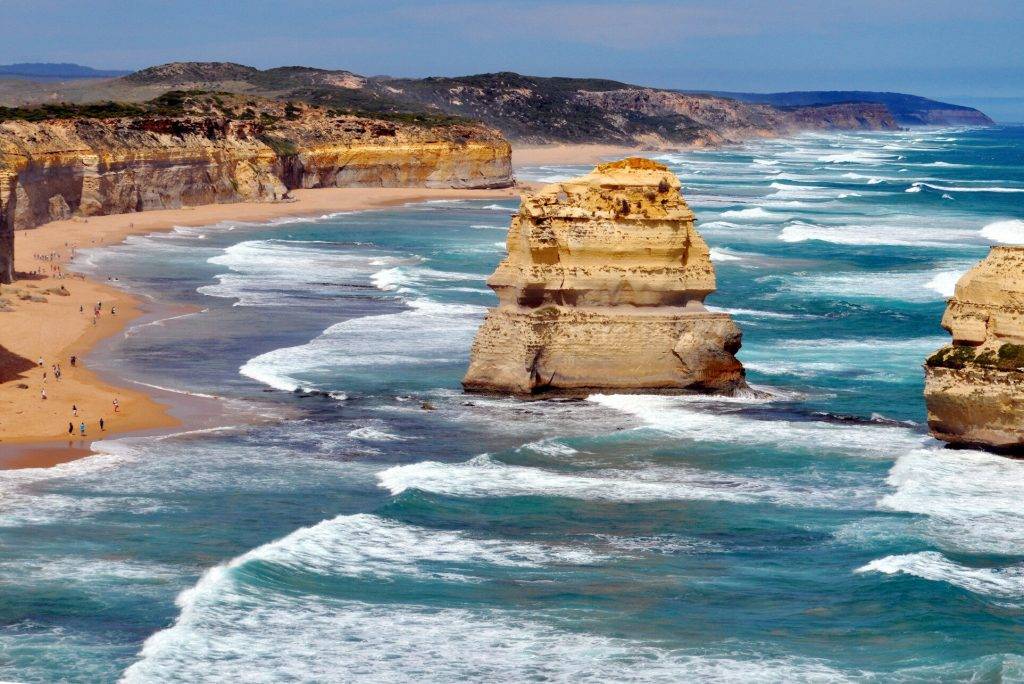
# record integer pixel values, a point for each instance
(540, 155)
(37, 432)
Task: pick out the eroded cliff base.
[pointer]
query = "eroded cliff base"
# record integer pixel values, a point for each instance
(562, 351)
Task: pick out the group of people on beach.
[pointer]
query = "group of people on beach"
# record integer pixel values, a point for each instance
(97, 310)
(54, 261)
(57, 373)
(81, 427)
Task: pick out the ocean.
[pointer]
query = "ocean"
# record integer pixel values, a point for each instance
(350, 534)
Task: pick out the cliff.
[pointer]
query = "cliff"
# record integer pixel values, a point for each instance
(528, 109)
(974, 388)
(908, 110)
(211, 151)
(603, 289)
(543, 110)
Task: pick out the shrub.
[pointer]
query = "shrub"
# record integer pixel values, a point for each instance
(1011, 357)
(281, 146)
(986, 358)
(955, 357)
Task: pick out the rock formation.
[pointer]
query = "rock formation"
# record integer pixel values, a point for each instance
(974, 388)
(57, 168)
(603, 289)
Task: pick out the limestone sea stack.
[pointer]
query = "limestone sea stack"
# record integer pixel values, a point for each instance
(603, 290)
(974, 388)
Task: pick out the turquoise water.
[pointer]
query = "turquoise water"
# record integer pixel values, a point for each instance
(820, 535)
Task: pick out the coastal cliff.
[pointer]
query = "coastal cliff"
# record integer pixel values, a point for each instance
(526, 109)
(603, 289)
(974, 388)
(212, 152)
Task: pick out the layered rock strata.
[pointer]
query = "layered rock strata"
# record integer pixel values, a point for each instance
(974, 388)
(60, 168)
(603, 289)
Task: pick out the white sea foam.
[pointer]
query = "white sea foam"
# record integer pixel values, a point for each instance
(1010, 232)
(756, 313)
(499, 207)
(858, 234)
(723, 255)
(237, 639)
(806, 369)
(757, 213)
(1002, 583)
(916, 187)
(785, 191)
(970, 499)
(372, 434)
(945, 282)
(909, 286)
(551, 447)
(234, 625)
(410, 279)
(485, 477)
(488, 226)
(675, 417)
(855, 157)
(275, 272)
(371, 341)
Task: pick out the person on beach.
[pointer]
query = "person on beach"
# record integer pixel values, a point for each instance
(102, 423)
(81, 428)
(42, 394)
(40, 361)
(74, 360)
(71, 428)
(117, 405)
(74, 410)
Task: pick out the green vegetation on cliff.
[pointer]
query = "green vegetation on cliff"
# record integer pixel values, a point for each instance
(1010, 357)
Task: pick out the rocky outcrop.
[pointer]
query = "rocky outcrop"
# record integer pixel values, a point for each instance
(86, 167)
(974, 388)
(603, 289)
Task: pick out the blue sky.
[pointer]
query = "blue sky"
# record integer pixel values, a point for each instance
(962, 51)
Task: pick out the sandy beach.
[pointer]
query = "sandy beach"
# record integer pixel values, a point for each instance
(50, 317)
(50, 311)
(538, 155)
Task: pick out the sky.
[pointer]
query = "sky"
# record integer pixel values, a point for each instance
(965, 52)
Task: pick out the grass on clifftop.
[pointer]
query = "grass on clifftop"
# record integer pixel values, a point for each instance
(232, 105)
(64, 110)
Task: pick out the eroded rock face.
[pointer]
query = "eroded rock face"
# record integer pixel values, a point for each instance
(87, 167)
(603, 289)
(974, 388)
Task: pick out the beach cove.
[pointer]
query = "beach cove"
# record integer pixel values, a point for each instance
(63, 326)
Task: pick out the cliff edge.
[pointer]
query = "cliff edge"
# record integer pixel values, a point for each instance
(187, 150)
(603, 289)
(974, 388)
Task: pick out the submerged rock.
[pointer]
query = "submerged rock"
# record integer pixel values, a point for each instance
(603, 289)
(974, 388)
